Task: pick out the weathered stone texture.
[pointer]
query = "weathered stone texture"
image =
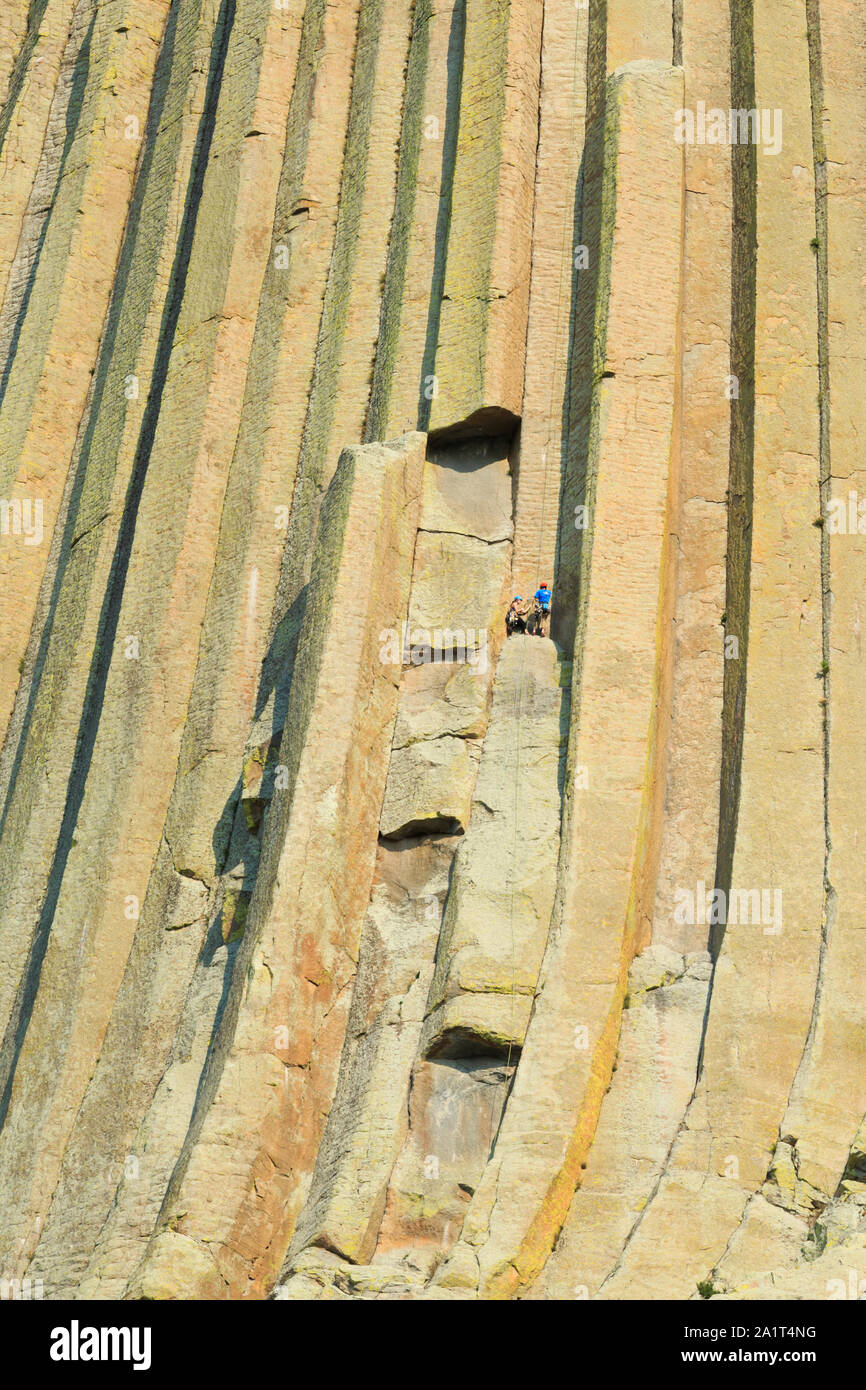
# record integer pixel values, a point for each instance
(609, 820)
(755, 1036)
(497, 913)
(482, 329)
(66, 282)
(557, 263)
(280, 1046)
(350, 949)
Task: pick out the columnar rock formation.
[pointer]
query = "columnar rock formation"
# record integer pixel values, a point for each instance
(347, 949)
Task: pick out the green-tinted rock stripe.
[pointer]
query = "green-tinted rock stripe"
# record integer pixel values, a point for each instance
(34, 320)
(111, 606)
(588, 320)
(404, 208)
(323, 396)
(43, 743)
(462, 345)
(741, 476)
(20, 66)
(155, 991)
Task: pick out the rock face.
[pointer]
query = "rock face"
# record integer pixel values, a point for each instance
(349, 949)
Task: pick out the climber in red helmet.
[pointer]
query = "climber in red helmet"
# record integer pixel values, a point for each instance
(542, 609)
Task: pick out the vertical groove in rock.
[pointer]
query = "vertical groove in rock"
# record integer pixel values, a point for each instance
(724, 1148)
(586, 329)
(825, 462)
(824, 1110)
(741, 477)
(557, 262)
(70, 884)
(677, 32)
(412, 293)
(602, 900)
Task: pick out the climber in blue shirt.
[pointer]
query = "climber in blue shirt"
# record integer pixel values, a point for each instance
(542, 596)
(542, 608)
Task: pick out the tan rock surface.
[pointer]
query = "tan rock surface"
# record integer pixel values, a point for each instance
(281, 1051)
(349, 949)
(598, 919)
(557, 263)
(755, 1037)
(497, 913)
(482, 328)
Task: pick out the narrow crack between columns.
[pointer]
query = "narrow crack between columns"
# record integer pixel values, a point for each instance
(677, 33)
(819, 155)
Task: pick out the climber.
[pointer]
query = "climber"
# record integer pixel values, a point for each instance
(542, 610)
(515, 618)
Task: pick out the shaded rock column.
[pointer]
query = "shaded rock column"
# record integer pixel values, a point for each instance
(58, 311)
(482, 328)
(558, 261)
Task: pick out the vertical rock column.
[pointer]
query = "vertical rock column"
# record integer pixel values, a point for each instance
(252, 1146)
(482, 329)
(609, 838)
(693, 764)
(557, 262)
(38, 755)
(765, 976)
(442, 717)
(829, 1095)
(412, 295)
(173, 919)
(58, 319)
(48, 46)
(662, 1029)
(333, 408)
(147, 646)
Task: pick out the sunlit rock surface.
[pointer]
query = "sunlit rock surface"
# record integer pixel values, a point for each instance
(349, 949)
